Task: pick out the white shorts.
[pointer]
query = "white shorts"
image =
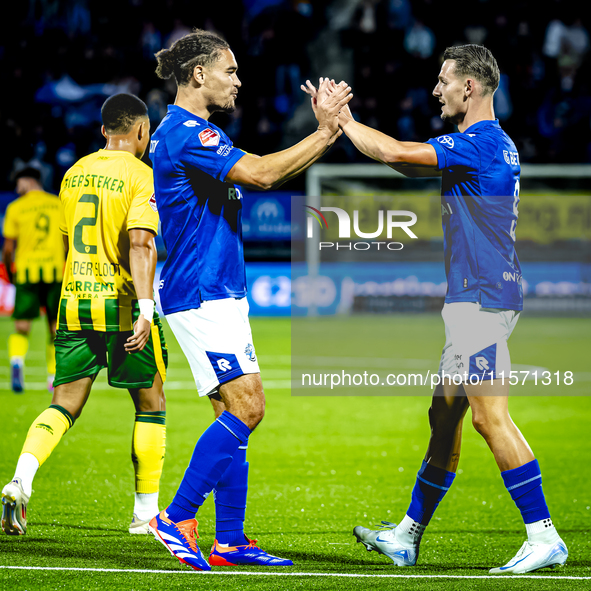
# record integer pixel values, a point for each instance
(217, 341)
(476, 340)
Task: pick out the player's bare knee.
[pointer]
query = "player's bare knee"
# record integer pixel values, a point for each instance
(22, 327)
(154, 403)
(256, 410)
(150, 399)
(157, 401)
(73, 396)
(74, 409)
(443, 419)
(433, 419)
(245, 399)
(487, 424)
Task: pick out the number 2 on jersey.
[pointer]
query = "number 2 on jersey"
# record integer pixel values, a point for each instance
(79, 244)
(515, 211)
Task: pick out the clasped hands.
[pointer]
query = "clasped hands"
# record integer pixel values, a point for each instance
(330, 104)
(330, 95)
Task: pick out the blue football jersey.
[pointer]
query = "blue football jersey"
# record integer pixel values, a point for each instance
(479, 198)
(200, 214)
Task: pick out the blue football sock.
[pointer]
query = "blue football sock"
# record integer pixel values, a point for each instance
(230, 501)
(431, 485)
(525, 487)
(212, 456)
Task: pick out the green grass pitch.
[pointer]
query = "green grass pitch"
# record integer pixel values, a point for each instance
(318, 467)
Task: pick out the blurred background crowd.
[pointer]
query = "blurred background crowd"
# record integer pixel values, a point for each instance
(62, 59)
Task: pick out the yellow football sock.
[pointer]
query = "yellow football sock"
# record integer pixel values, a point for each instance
(147, 450)
(46, 432)
(18, 345)
(50, 357)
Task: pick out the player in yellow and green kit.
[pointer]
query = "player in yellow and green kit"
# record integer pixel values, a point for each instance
(33, 242)
(106, 312)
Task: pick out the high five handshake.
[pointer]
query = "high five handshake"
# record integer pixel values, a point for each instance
(412, 159)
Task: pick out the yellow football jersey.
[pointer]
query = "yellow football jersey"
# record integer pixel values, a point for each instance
(33, 221)
(104, 195)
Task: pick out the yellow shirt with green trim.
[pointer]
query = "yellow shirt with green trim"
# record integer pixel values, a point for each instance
(33, 221)
(103, 196)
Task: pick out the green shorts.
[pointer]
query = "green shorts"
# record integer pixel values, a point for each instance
(30, 297)
(83, 353)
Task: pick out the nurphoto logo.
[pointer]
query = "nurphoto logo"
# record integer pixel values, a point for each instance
(389, 220)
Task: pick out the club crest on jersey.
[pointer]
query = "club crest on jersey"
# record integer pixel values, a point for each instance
(249, 352)
(209, 138)
(446, 140)
(152, 203)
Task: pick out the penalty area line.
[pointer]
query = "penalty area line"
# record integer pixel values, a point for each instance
(281, 574)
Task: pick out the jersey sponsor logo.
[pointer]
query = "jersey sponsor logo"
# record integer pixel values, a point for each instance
(209, 138)
(152, 203)
(511, 157)
(446, 209)
(224, 150)
(191, 123)
(153, 144)
(234, 193)
(516, 277)
(446, 140)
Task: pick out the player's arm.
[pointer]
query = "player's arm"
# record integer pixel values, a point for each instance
(8, 256)
(272, 170)
(413, 159)
(142, 260)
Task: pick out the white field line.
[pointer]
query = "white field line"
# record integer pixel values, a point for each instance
(282, 574)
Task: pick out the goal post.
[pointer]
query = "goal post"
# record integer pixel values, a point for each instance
(553, 231)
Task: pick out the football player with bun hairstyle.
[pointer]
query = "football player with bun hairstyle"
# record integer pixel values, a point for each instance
(198, 176)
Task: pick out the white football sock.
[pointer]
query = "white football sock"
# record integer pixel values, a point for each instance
(26, 468)
(409, 531)
(146, 505)
(542, 532)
